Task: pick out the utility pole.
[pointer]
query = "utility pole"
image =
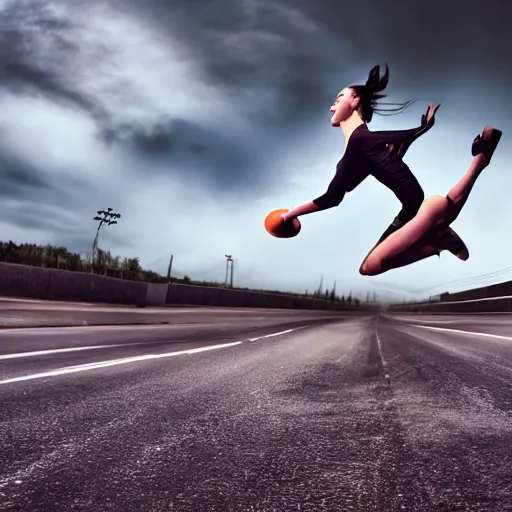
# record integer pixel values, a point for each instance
(229, 259)
(169, 269)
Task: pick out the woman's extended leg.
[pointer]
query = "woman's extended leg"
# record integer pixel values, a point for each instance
(436, 212)
(422, 249)
(441, 239)
(408, 238)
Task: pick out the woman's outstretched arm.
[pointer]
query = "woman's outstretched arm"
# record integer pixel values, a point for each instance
(404, 138)
(331, 198)
(303, 209)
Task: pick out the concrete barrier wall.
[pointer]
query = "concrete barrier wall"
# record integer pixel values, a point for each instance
(496, 298)
(23, 281)
(80, 286)
(476, 293)
(43, 283)
(51, 284)
(156, 294)
(495, 290)
(188, 294)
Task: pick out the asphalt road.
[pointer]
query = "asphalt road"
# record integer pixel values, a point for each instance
(390, 413)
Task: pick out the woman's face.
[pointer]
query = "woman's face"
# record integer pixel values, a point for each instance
(343, 107)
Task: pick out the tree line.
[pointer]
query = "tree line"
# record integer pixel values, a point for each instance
(105, 264)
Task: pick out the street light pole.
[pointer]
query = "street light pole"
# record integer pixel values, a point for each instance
(104, 217)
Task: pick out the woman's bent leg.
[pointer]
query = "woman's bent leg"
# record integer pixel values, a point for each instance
(435, 212)
(430, 215)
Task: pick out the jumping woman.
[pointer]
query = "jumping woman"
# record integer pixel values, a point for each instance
(380, 155)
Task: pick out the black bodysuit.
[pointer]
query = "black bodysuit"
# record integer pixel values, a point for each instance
(378, 154)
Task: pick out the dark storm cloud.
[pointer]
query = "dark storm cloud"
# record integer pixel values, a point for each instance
(25, 182)
(210, 155)
(33, 216)
(298, 52)
(302, 50)
(155, 139)
(159, 139)
(61, 219)
(23, 77)
(427, 41)
(247, 45)
(62, 226)
(198, 148)
(26, 70)
(19, 179)
(205, 156)
(16, 180)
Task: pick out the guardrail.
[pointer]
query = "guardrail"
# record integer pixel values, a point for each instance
(501, 304)
(51, 284)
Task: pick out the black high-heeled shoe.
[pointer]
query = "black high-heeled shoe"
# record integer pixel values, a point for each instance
(447, 240)
(486, 142)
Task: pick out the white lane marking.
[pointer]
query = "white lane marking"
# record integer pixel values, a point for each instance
(345, 355)
(104, 364)
(485, 334)
(94, 347)
(405, 319)
(429, 321)
(384, 364)
(270, 335)
(62, 350)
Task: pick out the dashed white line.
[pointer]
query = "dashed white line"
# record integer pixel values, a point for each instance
(423, 320)
(384, 364)
(104, 364)
(271, 335)
(62, 350)
(96, 347)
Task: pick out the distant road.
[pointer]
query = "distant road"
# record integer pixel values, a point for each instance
(256, 413)
(27, 313)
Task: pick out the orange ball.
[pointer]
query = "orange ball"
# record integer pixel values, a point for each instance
(276, 227)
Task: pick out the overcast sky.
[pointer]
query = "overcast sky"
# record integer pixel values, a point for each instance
(194, 119)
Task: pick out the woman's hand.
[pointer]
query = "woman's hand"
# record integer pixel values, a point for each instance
(428, 118)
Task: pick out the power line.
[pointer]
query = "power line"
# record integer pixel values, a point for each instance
(497, 274)
(480, 280)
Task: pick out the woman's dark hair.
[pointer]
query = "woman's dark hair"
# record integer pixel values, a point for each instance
(369, 96)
